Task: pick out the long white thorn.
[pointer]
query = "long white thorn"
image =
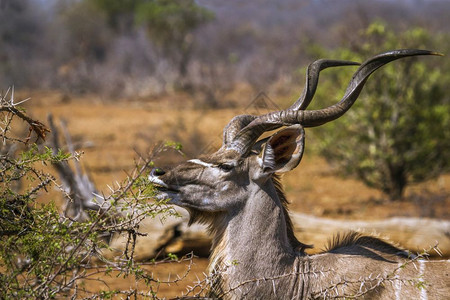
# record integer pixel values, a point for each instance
(12, 96)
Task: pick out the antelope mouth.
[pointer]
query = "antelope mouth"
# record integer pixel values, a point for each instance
(163, 192)
(161, 186)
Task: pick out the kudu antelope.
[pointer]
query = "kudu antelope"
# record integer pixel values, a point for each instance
(255, 255)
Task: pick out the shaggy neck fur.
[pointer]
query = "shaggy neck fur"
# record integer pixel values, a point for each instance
(263, 219)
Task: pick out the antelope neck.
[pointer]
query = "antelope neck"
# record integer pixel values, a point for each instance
(244, 241)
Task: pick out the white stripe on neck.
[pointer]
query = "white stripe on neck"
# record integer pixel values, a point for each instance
(423, 287)
(398, 283)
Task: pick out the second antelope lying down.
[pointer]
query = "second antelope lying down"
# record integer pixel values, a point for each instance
(255, 255)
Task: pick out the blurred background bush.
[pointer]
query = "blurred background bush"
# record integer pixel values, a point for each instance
(128, 48)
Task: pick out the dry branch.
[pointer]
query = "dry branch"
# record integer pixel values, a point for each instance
(9, 106)
(81, 193)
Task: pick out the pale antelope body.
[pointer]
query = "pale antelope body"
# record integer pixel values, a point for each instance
(255, 254)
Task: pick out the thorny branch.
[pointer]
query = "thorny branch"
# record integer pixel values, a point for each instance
(80, 242)
(12, 109)
(336, 290)
(122, 211)
(331, 292)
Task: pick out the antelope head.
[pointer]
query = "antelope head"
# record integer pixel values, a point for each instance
(220, 185)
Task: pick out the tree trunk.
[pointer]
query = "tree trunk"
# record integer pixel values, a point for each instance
(397, 183)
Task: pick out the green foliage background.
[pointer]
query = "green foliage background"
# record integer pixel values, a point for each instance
(398, 131)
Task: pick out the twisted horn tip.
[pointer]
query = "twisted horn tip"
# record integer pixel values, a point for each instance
(408, 52)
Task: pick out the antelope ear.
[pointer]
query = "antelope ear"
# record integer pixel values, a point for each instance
(284, 150)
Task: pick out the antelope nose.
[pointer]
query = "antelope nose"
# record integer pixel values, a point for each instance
(157, 172)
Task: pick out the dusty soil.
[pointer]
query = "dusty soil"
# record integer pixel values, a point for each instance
(112, 133)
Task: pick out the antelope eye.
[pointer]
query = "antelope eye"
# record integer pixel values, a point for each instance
(225, 167)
